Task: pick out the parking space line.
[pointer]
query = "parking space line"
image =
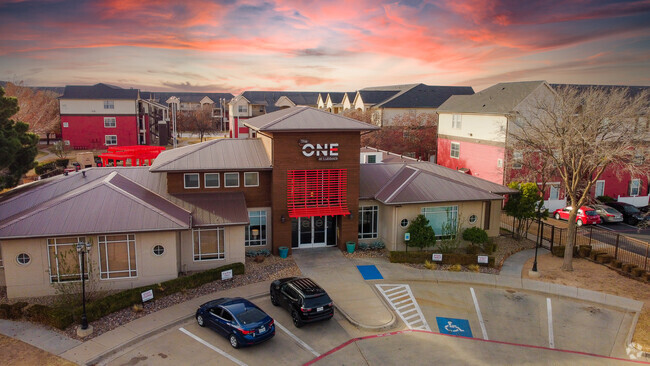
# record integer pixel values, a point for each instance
(478, 312)
(295, 338)
(415, 321)
(219, 351)
(551, 342)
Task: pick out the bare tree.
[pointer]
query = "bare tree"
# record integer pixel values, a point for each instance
(38, 108)
(583, 131)
(198, 121)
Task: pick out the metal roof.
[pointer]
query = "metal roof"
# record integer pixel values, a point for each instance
(218, 154)
(498, 99)
(375, 96)
(98, 91)
(269, 98)
(184, 97)
(425, 96)
(305, 119)
(460, 177)
(210, 209)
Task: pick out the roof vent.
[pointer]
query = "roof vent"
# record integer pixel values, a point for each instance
(483, 105)
(504, 88)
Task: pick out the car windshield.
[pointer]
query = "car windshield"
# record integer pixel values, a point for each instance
(611, 210)
(314, 302)
(591, 213)
(251, 315)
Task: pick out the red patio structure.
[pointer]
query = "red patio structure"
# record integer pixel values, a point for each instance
(138, 155)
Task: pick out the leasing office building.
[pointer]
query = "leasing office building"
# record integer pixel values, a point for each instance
(298, 183)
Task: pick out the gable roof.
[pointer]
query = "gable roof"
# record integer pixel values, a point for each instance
(98, 91)
(374, 96)
(305, 119)
(269, 98)
(336, 98)
(184, 97)
(498, 99)
(218, 154)
(425, 96)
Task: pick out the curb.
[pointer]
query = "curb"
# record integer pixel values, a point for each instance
(139, 338)
(357, 324)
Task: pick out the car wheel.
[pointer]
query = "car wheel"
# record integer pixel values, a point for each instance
(296, 319)
(557, 216)
(199, 319)
(233, 341)
(274, 300)
(579, 223)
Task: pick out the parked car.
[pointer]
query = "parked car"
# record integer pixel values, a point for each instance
(303, 298)
(645, 209)
(631, 214)
(608, 214)
(586, 215)
(237, 319)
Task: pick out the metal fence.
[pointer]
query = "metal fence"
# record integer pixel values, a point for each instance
(622, 247)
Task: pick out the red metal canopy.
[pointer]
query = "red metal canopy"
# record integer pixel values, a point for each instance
(138, 154)
(317, 192)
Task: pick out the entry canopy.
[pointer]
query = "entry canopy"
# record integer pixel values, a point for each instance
(317, 192)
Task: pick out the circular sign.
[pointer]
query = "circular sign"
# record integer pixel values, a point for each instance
(319, 222)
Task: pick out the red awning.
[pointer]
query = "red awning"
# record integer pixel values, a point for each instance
(317, 192)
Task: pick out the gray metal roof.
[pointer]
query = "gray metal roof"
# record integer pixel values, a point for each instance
(305, 119)
(409, 183)
(184, 97)
(498, 99)
(269, 98)
(376, 96)
(209, 209)
(425, 96)
(98, 91)
(218, 154)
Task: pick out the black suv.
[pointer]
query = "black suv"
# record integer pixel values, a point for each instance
(631, 214)
(303, 298)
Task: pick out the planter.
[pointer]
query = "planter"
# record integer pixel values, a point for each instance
(350, 246)
(284, 252)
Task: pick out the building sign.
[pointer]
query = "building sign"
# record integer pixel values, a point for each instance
(147, 295)
(323, 152)
(483, 259)
(226, 275)
(436, 257)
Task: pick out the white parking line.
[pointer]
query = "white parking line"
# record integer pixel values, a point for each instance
(478, 312)
(219, 351)
(295, 338)
(551, 342)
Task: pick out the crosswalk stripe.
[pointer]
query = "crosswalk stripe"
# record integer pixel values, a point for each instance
(401, 299)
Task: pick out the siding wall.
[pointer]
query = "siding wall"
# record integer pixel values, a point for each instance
(481, 159)
(88, 131)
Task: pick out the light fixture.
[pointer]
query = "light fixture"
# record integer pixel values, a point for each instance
(350, 216)
(282, 219)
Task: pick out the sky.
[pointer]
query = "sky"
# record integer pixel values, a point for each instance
(326, 46)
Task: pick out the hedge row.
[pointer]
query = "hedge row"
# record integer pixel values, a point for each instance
(450, 258)
(61, 318)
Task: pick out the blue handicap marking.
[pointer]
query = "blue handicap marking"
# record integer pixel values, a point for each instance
(451, 326)
(370, 272)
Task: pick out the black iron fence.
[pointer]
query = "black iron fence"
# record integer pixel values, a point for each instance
(622, 247)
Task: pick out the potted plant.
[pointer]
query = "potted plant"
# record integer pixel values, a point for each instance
(350, 246)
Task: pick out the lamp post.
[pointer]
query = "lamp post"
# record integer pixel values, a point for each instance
(538, 241)
(83, 249)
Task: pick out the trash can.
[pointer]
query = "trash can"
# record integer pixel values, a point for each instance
(350, 245)
(284, 252)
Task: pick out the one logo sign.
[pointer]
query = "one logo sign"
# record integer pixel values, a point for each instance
(483, 259)
(147, 295)
(226, 275)
(436, 257)
(324, 152)
(457, 327)
(407, 236)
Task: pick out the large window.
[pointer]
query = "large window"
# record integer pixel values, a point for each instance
(368, 217)
(117, 257)
(554, 192)
(517, 158)
(209, 244)
(443, 220)
(110, 122)
(231, 180)
(64, 259)
(110, 140)
(242, 109)
(109, 104)
(454, 152)
(191, 180)
(255, 233)
(211, 180)
(251, 179)
(456, 121)
(635, 187)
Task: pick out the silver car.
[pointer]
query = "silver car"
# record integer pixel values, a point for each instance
(608, 214)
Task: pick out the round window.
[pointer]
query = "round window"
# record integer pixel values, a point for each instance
(404, 223)
(23, 258)
(472, 219)
(158, 250)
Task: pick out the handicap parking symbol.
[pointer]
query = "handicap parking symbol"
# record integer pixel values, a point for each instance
(451, 326)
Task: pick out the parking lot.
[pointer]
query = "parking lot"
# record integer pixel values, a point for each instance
(527, 327)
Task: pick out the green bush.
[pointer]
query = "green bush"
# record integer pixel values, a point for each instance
(595, 253)
(472, 249)
(490, 247)
(637, 272)
(422, 234)
(584, 250)
(616, 263)
(62, 162)
(627, 267)
(475, 235)
(59, 318)
(605, 199)
(43, 168)
(605, 258)
(558, 250)
(450, 258)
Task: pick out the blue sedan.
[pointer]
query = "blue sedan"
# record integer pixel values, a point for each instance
(237, 319)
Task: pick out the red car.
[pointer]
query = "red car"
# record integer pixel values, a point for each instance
(586, 215)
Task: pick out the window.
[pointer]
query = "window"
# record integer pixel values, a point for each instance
(443, 220)
(554, 192)
(371, 159)
(454, 152)
(635, 187)
(242, 109)
(404, 223)
(64, 259)
(517, 157)
(23, 258)
(158, 250)
(110, 122)
(110, 140)
(472, 219)
(209, 244)
(499, 163)
(456, 121)
(109, 104)
(231, 179)
(191, 180)
(255, 232)
(65, 124)
(117, 258)
(251, 179)
(211, 180)
(368, 217)
(600, 188)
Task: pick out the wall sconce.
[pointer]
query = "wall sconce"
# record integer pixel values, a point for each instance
(282, 219)
(350, 216)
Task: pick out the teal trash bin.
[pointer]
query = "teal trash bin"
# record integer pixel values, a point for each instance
(284, 252)
(350, 245)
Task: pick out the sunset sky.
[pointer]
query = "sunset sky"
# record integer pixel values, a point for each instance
(231, 46)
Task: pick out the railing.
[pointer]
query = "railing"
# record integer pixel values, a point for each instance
(622, 247)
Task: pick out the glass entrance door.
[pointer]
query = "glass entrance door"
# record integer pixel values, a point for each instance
(314, 231)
